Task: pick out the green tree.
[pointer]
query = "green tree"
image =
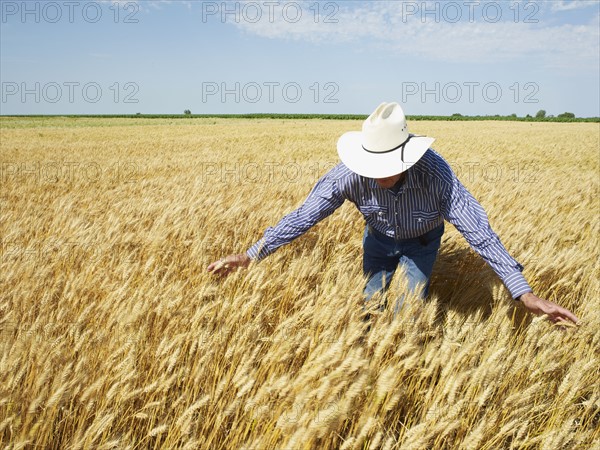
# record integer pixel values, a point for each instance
(540, 114)
(566, 115)
(187, 112)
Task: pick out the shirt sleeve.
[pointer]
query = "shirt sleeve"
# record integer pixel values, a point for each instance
(462, 210)
(321, 202)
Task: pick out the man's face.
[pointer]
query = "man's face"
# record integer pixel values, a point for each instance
(388, 182)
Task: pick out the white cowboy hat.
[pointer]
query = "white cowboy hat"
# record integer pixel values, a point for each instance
(384, 147)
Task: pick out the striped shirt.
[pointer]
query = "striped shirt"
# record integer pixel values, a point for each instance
(430, 194)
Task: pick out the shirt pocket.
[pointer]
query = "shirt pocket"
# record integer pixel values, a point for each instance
(377, 212)
(423, 216)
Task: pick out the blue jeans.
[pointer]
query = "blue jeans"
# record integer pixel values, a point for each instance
(383, 255)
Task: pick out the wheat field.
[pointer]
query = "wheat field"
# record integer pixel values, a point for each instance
(113, 335)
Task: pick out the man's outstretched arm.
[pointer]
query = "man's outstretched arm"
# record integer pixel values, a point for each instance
(322, 201)
(462, 210)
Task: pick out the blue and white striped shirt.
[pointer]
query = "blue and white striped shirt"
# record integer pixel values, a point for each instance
(430, 193)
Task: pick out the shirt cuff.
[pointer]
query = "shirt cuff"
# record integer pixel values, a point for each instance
(516, 284)
(258, 251)
(251, 254)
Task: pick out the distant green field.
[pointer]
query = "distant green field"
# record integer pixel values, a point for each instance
(318, 116)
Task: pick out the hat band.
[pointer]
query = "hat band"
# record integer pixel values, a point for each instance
(395, 148)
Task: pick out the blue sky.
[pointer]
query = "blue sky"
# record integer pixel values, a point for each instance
(434, 57)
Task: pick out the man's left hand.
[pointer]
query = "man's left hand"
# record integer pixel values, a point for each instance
(540, 306)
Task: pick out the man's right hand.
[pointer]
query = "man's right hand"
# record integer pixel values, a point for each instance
(226, 265)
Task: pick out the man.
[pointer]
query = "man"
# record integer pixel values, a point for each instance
(405, 190)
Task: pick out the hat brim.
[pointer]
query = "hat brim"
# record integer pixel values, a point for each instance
(379, 165)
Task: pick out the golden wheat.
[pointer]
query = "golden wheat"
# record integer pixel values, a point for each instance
(113, 335)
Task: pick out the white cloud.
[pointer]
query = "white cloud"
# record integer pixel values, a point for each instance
(156, 4)
(561, 5)
(384, 25)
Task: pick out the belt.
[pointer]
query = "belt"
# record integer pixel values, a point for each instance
(422, 239)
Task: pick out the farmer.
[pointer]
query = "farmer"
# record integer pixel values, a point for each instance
(405, 190)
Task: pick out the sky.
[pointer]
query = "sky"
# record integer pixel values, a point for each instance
(326, 57)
